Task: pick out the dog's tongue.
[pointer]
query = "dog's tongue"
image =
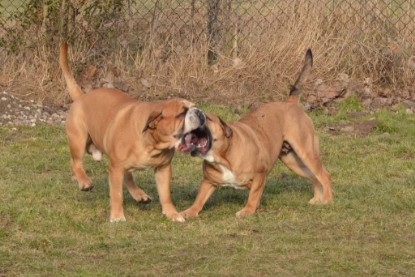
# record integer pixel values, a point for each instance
(188, 143)
(183, 147)
(188, 138)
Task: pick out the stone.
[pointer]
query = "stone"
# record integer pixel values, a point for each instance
(409, 104)
(379, 102)
(367, 103)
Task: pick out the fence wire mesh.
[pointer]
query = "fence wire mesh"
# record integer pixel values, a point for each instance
(224, 24)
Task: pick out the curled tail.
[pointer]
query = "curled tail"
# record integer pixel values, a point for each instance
(296, 89)
(74, 90)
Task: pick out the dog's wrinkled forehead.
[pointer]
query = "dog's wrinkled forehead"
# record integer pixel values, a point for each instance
(188, 104)
(181, 105)
(176, 107)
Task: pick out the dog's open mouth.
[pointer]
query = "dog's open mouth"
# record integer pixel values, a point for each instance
(196, 142)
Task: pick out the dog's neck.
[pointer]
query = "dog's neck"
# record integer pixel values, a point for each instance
(217, 159)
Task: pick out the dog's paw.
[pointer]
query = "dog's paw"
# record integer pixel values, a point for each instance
(244, 212)
(315, 201)
(85, 185)
(117, 219)
(143, 199)
(328, 201)
(179, 218)
(176, 217)
(189, 213)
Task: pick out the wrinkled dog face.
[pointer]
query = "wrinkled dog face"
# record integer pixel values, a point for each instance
(176, 118)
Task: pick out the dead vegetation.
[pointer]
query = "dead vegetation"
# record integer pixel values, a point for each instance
(352, 56)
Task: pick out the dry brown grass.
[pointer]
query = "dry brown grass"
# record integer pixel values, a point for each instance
(263, 69)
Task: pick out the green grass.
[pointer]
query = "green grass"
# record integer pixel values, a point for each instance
(50, 228)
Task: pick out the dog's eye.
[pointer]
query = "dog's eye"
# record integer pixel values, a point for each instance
(183, 113)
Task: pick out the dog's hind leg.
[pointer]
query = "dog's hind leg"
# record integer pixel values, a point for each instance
(307, 164)
(77, 138)
(138, 194)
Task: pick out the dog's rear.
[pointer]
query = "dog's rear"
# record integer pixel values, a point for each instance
(300, 150)
(74, 90)
(297, 89)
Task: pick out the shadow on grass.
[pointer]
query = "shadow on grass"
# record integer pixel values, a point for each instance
(281, 188)
(274, 188)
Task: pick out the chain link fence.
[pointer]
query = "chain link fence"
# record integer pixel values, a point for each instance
(208, 49)
(226, 25)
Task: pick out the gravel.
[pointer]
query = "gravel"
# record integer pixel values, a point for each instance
(16, 112)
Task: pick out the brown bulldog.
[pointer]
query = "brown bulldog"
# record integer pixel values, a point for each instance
(134, 135)
(241, 154)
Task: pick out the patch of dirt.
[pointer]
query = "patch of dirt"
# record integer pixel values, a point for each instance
(359, 129)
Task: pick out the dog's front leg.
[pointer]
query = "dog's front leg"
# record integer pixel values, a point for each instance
(255, 193)
(163, 176)
(116, 174)
(205, 191)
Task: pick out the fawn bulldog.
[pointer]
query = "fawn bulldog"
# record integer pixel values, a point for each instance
(134, 135)
(241, 154)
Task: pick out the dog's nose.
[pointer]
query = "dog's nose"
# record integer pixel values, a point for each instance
(201, 116)
(194, 119)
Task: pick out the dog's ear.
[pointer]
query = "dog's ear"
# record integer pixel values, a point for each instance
(228, 131)
(152, 120)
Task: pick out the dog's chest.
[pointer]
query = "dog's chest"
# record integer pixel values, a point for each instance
(229, 178)
(138, 167)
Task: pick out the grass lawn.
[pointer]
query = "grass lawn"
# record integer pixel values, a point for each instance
(50, 228)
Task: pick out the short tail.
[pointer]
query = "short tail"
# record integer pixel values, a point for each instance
(296, 89)
(74, 90)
